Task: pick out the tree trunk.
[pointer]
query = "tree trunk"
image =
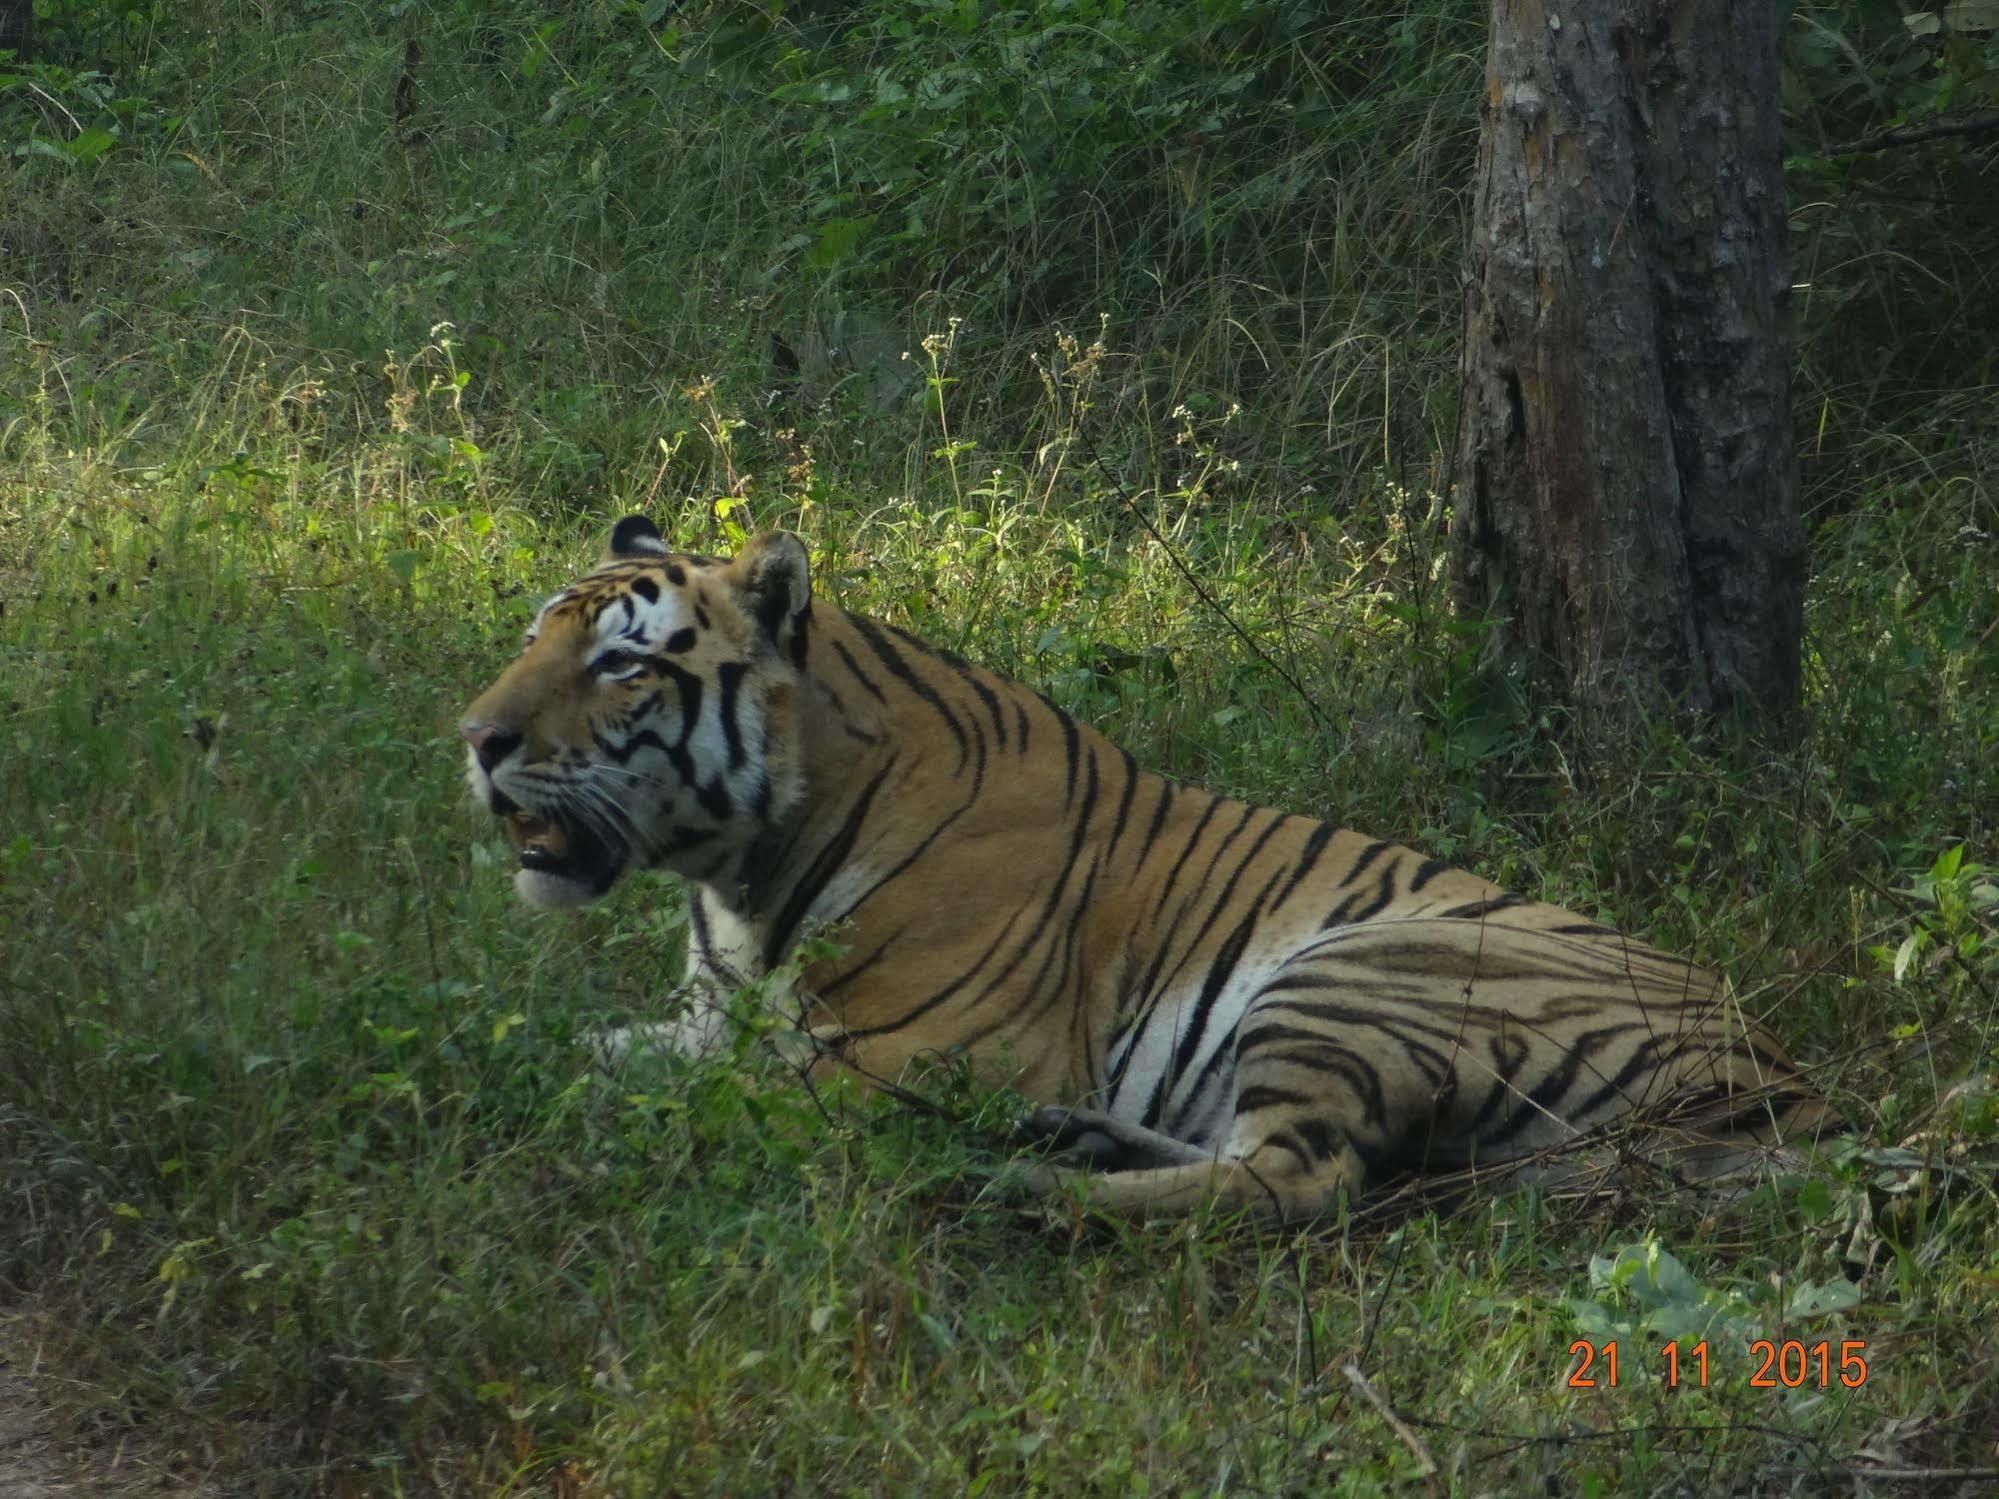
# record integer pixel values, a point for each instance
(1626, 496)
(17, 29)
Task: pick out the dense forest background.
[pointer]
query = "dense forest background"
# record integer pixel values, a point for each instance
(332, 334)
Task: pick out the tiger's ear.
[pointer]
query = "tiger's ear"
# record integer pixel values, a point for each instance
(635, 536)
(776, 583)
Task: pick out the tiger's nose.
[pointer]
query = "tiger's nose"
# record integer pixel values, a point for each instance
(489, 742)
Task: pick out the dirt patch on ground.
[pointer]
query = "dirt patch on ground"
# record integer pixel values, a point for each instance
(40, 1458)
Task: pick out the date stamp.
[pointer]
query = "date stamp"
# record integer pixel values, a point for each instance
(1789, 1364)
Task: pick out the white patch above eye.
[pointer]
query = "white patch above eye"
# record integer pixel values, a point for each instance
(633, 624)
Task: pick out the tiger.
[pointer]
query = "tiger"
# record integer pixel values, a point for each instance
(1209, 1004)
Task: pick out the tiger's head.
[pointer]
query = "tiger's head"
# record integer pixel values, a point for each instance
(651, 716)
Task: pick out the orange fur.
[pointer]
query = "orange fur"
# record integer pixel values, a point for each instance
(1222, 1001)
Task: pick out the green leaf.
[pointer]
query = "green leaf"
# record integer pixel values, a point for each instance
(1671, 1277)
(1684, 1322)
(1647, 1272)
(1598, 1322)
(939, 1331)
(1813, 1300)
(91, 143)
(404, 564)
(1815, 1200)
(1906, 953)
(838, 239)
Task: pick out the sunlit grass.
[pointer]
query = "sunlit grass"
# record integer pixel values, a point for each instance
(308, 1168)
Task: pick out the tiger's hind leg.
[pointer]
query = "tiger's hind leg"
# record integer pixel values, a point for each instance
(1309, 1117)
(1128, 1171)
(1272, 1182)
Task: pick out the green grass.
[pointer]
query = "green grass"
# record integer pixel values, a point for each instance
(305, 1164)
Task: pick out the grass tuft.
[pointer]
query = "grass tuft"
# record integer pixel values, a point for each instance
(355, 339)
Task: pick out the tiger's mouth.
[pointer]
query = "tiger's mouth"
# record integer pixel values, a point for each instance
(555, 850)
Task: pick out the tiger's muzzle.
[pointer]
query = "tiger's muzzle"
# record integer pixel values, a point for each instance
(563, 862)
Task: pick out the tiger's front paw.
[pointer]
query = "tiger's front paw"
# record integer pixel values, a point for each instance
(1071, 1137)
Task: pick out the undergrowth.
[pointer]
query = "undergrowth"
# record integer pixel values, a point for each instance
(347, 337)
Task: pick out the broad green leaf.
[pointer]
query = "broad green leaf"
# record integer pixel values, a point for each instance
(91, 143)
(1812, 1299)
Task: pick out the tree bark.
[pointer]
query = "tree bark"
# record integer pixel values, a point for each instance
(17, 29)
(1626, 496)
